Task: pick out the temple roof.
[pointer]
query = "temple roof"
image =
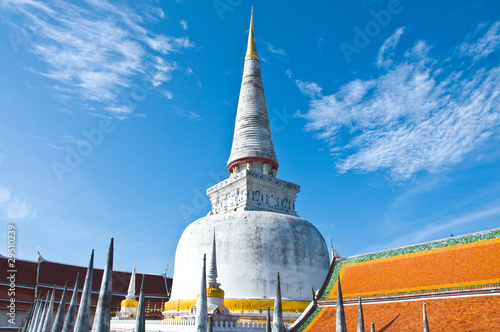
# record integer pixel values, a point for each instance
(252, 138)
(458, 276)
(52, 273)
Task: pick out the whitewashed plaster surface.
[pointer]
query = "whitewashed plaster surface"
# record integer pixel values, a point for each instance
(252, 246)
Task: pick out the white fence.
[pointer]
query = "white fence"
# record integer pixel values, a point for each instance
(186, 325)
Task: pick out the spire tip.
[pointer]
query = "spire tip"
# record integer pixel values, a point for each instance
(251, 48)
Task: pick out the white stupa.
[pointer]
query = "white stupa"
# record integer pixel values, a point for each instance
(258, 232)
(128, 307)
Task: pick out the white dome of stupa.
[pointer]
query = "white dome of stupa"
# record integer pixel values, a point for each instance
(252, 246)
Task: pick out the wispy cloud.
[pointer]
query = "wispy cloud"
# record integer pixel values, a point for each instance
(436, 230)
(14, 209)
(420, 113)
(326, 225)
(390, 44)
(277, 52)
(53, 146)
(481, 47)
(183, 24)
(167, 44)
(96, 50)
(168, 94)
(321, 45)
(190, 115)
(162, 71)
(72, 140)
(310, 89)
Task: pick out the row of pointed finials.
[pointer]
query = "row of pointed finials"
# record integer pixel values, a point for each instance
(203, 321)
(340, 325)
(40, 316)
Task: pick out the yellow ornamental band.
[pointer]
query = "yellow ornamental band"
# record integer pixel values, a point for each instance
(129, 303)
(215, 292)
(241, 304)
(251, 57)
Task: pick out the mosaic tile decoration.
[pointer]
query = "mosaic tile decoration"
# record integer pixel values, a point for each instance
(316, 312)
(309, 319)
(471, 238)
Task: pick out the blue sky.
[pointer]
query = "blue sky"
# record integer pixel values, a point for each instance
(115, 116)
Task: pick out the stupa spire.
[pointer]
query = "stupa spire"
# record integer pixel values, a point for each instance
(361, 321)
(201, 303)
(59, 320)
(83, 316)
(210, 324)
(252, 147)
(130, 304)
(25, 324)
(251, 48)
(44, 314)
(277, 325)
(103, 308)
(47, 324)
(212, 265)
(424, 314)
(36, 314)
(131, 286)
(215, 295)
(340, 325)
(268, 321)
(69, 321)
(140, 319)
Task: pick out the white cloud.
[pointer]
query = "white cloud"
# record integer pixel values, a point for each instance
(168, 94)
(53, 146)
(321, 45)
(72, 140)
(94, 51)
(162, 71)
(119, 111)
(4, 195)
(277, 52)
(438, 229)
(166, 44)
(312, 90)
(389, 44)
(14, 209)
(483, 46)
(421, 114)
(190, 115)
(184, 24)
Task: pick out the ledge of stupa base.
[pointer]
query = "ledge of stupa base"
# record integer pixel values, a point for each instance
(257, 207)
(248, 174)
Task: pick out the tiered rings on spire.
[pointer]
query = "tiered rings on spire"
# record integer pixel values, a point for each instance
(252, 147)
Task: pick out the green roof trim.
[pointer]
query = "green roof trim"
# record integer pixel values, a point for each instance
(470, 238)
(309, 319)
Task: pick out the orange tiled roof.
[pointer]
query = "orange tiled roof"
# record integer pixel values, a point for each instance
(452, 314)
(466, 265)
(470, 264)
(465, 261)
